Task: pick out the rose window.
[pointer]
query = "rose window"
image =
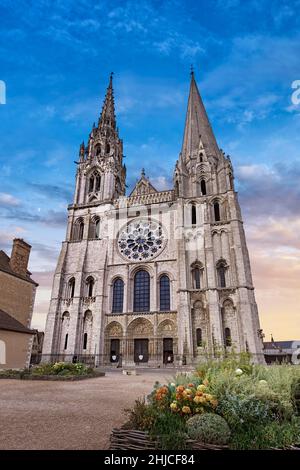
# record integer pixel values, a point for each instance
(141, 240)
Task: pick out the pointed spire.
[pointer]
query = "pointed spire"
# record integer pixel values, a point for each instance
(108, 117)
(197, 125)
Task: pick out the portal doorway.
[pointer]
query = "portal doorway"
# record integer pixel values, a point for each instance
(114, 350)
(141, 350)
(168, 356)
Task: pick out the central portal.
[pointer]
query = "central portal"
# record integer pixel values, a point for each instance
(141, 350)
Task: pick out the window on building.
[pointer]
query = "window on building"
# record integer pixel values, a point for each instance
(141, 302)
(196, 278)
(91, 184)
(221, 270)
(107, 148)
(66, 341)
(71, 289)
(80, 230)
(217, 211)
(85, 338)
(227, 337)
(90, 282)
(97, 228)
(194, 216)
(118, 296)
(164, 293)
(94, 230)
(97, 183)
(203, 187)
(199, 337)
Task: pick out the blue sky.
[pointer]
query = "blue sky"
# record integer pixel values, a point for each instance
(55, 59)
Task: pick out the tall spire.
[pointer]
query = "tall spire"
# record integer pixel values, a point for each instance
(108, 117)
(197, 125)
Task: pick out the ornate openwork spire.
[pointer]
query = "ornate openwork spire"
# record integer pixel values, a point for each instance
(197, 125)
(108, 117)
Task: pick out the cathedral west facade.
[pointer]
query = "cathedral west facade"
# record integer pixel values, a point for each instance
(155, 277)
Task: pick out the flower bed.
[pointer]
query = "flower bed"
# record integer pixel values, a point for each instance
(65, 371)
(229, 403)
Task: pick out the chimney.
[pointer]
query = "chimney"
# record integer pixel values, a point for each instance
(20, 256)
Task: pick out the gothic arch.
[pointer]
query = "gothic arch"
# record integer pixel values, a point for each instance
(78, 229)
(166, 328)
(140, 327)
(229, 324)
(114, 329)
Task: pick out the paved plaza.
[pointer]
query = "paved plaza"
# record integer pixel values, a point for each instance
(69, 415)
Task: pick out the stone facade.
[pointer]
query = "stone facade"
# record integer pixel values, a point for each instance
(157, 276)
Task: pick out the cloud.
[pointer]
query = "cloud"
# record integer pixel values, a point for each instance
(7, 200)
(52, 218)
(269, 191)
(53, 191)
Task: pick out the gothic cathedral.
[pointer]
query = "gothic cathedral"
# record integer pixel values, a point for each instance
(156, 277)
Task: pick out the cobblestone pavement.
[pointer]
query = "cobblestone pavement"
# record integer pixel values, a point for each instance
(69, 415)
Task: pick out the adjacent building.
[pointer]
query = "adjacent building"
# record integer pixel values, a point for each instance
(17, 295)
(156, 276)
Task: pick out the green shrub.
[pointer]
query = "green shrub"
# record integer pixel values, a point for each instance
(61, 368)
(208, 428)
(272, 435)
(295, 391)
(241, 410)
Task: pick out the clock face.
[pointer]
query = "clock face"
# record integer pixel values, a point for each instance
(141, 240)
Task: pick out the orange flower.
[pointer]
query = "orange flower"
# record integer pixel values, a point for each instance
(186, 409)
(191, 385)
(180, 388)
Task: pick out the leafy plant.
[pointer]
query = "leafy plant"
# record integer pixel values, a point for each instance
(208, 428)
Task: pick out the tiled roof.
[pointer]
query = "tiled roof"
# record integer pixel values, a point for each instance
(9, 323)
(278, 344)
(5, 266)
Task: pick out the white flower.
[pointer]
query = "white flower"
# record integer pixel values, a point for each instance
(263, 382)
(173, 385)
(238, 372)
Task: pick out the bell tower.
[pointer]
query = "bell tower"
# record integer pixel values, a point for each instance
(101, 173)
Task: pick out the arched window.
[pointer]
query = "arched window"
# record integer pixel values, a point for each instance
(196, 278)
(217, 211)
(97, 228)
(85, 338)
(164, 293)
(230, 180)
(194, 216)
(91, 184)
(90, 282)
(221, 270)
(176, 188)
(118, 296)
(107, 148)
(199, 337)
(97, 183)
(78, 230)
(98, 149)
(141, 302)
(66, 341)
(94, 230)
(203, 187)
(227, 337)
(71, 288)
